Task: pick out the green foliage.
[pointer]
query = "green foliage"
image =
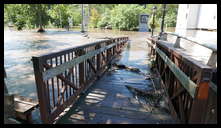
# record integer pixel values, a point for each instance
(15, 14)
(6, 20)
(153, 23)
(125, 17)
(38, 14)
(101, 8)
(118, 16)
(171, 15)
(105, 18)
(59, 15)
(20, 23)
(94, 18)
(75, 14)
(29, 15)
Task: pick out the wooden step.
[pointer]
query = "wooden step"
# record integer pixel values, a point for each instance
(24, 106)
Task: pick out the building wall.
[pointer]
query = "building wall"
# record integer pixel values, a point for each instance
(194, 16)
(208, 16)
(181, 17)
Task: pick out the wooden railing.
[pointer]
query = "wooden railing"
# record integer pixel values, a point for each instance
(213, 58)
(187, 83)
(61, 76)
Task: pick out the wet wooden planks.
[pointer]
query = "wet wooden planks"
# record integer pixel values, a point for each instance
(108, 101)
(23, 107)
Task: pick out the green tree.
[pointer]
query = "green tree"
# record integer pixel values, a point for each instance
(105, 19)
(94, 18)
(171, 13)
(75, 14)
(125, 17)
(61, 12)
(6, 20)
(15, 14)
(119, 16)
(101, 8)
(153, 23)
(59, 15)
(40, 15)
(27, 14)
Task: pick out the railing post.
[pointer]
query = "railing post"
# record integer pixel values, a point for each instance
(98, 58)
(117, 48)
(177, 43)
(109, 51)
(121, 46)
(114, 48)
(213, 59)
(41, 90)
(164, 36)
(199, 105)
(5, 87)
(81, 69)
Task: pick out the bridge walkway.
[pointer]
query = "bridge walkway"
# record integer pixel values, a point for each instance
(108, 101)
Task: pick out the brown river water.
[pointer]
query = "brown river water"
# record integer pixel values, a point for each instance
(20, 46)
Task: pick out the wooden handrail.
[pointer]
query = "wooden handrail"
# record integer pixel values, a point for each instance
(187, 83)
(191, 40)
(78, 66)
(57, 53)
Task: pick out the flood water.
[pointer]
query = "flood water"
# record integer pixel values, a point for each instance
(20, 46)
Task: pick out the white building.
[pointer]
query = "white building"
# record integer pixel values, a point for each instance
(191, 20)
(196, 16)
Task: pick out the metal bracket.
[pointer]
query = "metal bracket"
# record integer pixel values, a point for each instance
(177, 43)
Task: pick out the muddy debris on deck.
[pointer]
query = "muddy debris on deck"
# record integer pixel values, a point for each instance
(153, 98)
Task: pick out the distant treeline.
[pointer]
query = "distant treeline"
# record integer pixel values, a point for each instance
(116, 16)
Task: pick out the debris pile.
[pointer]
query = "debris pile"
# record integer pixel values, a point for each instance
(121, 66)
(150, 99)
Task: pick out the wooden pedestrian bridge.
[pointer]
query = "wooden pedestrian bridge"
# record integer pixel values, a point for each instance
(92, 84)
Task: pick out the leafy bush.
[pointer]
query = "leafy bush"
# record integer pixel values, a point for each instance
(95, 17)
(105, 19)
(20, 23)
(125, 17)
(76, 18)
(156, 23)
(59, 15)
(118, 16)
(170, 18)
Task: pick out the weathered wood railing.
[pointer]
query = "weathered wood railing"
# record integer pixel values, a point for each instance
(61, 76)
(187, 83)
(213, 58)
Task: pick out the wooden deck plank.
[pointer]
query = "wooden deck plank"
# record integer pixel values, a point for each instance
(108, 101)
(24, 104)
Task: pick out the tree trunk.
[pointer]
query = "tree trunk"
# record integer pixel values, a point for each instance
(41, 29)
(40, 20)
